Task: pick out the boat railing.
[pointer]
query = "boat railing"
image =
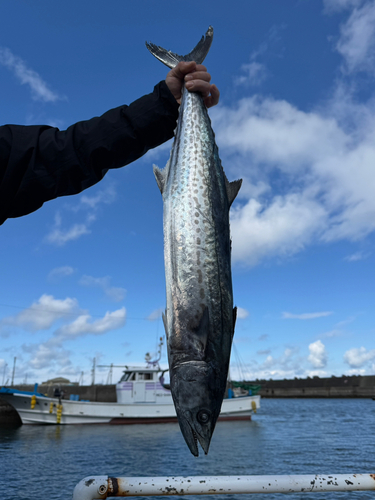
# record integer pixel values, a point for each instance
(101, 487)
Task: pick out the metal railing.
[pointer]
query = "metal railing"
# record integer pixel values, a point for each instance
(100, 487)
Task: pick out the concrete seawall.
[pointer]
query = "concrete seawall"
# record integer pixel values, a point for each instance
(333, 387)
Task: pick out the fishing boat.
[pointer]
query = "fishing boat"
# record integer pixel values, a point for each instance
(142, 398)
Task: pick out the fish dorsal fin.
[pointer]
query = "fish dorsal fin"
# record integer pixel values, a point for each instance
(160, 177)
(232, 189)
(171, 59)
(164, 316)
(234, 319)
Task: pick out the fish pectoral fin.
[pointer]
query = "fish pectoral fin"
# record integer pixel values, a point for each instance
(164, 316)
(202, 329)
(232, 189)
(160, 177)
(171, 59)
(234, 319)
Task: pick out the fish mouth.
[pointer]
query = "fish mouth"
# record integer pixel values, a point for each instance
(192, 436)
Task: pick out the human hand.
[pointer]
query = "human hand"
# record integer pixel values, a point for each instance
(196, 79)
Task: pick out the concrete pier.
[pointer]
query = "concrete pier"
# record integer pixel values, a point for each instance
(355, 386)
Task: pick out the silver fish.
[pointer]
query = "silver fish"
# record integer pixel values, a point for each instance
(199, 318)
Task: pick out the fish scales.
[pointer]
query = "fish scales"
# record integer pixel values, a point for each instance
(196, 229)
(199, 318)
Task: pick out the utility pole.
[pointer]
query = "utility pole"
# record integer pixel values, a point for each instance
(5, 371)
(93, 372)
(14, 370)
(109, 377)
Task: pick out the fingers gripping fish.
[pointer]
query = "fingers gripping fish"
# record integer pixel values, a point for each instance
(199, 318)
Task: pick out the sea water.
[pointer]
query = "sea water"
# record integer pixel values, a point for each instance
(286, 436)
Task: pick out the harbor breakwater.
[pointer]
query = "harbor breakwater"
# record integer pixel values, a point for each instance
(355, 386)
(332, 387)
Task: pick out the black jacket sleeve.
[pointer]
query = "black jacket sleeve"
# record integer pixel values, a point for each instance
(40, 163)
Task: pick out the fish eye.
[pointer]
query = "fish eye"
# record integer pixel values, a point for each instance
(203, 416)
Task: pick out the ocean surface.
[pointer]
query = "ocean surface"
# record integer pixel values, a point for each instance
(287, 436)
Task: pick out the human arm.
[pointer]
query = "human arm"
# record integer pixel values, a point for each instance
(40, 163)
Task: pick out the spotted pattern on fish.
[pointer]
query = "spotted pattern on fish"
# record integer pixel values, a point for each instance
(199, 317)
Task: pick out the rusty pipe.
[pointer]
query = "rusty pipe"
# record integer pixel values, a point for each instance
(99, 487)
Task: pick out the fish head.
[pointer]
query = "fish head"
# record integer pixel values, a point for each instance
(197, 402)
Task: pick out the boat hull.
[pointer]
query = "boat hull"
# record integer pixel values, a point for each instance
(45, 411)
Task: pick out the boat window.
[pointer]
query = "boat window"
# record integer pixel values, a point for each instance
(127, 376)
(144, 376)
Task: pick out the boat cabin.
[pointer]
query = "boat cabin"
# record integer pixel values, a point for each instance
(142, 385)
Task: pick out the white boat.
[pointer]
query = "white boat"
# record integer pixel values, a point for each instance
(141, 398)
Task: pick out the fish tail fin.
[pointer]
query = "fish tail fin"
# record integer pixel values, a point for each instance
(171, 59)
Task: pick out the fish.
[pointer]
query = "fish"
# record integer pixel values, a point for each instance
(199, 318)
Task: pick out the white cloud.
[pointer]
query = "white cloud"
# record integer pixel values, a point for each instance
(156, 314)
(282, 227)
(357, 256)
(318, 355)
(114, 293)
(26, 76)
(276, 132)
(287, 315)
(316, 373)
(60, 272)
(308, 174)
(288, 365)
(242, 313)
(60, 237)
(51, 356)
(325, 159)
(46, 355)
(332, 334)
(345, 322)
(83, 326)
(106, 196)
(359, 357)
(255, 74)
(41, 315)
(357, 40)
(337, 5)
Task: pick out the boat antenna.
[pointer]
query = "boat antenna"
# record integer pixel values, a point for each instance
(154, 363)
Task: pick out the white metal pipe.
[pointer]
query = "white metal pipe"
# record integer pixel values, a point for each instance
(99, 487)
(91, 488)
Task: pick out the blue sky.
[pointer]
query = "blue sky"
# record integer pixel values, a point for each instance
(83, 277)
